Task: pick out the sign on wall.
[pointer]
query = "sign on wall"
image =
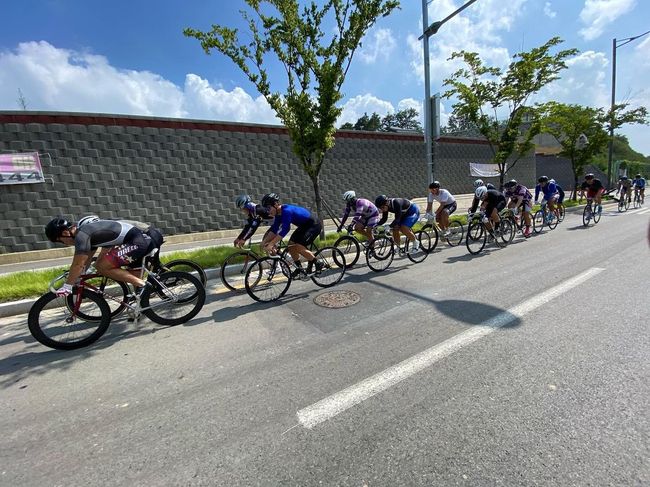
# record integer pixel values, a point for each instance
(21, 168)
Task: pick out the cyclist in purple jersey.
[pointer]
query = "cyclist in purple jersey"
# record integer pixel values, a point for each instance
(406, 215)
(366, 215)
(308, 228)
(520, 197)
(255, 214)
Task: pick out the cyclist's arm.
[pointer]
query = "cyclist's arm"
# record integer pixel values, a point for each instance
(384, 218)
(79, 264)
(537, 189)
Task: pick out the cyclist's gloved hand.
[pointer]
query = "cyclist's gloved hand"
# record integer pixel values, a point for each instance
(64, 290)
(430, 216)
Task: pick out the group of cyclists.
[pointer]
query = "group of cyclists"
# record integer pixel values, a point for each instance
(626, 186)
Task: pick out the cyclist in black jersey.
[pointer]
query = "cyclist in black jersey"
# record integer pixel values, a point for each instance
(254, 213)
(123, 243)
(406, 215)
(492, 202)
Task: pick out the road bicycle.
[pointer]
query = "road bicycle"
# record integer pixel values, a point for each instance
(453, 235)
(591, 213)
(561, 211)
(638, 200)
(268, 278)
(545, 217)
(478, 233)
(517, 222)
(624, 202)
(351, 247)
(81, 318)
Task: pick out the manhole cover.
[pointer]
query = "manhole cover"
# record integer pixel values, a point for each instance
(337, 299)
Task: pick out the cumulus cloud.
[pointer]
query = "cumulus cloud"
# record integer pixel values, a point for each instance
(355, 107)
(548, 11)
(598, 14)
(378, 44)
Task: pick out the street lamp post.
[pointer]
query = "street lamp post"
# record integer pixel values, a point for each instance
(430, 30)
(616, 43)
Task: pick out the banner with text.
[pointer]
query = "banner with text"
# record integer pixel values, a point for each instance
(21, 168)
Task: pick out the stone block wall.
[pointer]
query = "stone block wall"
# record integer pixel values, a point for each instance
(184, 175)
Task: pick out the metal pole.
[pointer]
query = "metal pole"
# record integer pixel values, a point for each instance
(611, 120)
(427, 95)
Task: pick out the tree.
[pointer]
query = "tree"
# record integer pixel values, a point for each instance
(406, 119)
(485, 93)
(371, 123)
(315, 67)
(460, 126)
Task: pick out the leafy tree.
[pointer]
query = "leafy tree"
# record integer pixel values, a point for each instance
(622, 152)
(406, 119)
(483, 93)
(370, 123)
(460, 126)
(315, 57)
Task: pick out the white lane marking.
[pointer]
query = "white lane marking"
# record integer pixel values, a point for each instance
(341, 401)
(643, 211)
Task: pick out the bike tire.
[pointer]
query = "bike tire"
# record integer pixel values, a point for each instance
(434, 236)
(233, 270)
(456, 233)
(117, 289)
(268, 279)
(596, 214)
(627, 204)
(538, 221)
(186, 265)
(333, 265)
(561, 211)
(621, 205)
(421, 254)
(380, 256)
(476, 237)
(506, 231)
(186, 302)
(552, 221)
(51, 307)
(350, 248)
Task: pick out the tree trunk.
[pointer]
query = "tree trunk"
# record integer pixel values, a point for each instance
(319, 206)
(575, 181)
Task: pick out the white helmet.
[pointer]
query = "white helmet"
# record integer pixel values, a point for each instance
(480, 192)
(87, 219)
(349, 195)
(478, 183)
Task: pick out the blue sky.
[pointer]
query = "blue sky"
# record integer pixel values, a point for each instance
(132, 58)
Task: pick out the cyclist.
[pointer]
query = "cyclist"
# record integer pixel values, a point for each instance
(520, 196)
(492, 202)
(366, 215)
(548, 188)
(639, 186)
(307, 229)
(625, 188)
(406, 214)
(254, 213)
(447, 205)
(594, 189)
(122, 244)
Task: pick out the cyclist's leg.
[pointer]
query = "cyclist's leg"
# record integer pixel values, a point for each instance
(409, 221)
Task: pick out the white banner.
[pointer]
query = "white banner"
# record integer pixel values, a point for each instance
(484, 170)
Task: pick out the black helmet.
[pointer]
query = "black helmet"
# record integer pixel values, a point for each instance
(434, 185)
(381, 200)
(490, 186)
(511, 184)
(638, 176)
(270, 199)
(623, 178)
(55, 228)
(589, 176)
(543, 179)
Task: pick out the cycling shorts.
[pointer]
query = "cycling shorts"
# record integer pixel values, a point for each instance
(136, 245)
(500, 205)
(450, 208)
(306, 234)
(553, 199)
(411, 217)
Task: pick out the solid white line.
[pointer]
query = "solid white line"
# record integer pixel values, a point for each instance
(337, 403)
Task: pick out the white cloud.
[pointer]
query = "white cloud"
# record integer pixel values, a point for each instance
(598, 14)
(378, 44)
(355, 107)
(548, 11)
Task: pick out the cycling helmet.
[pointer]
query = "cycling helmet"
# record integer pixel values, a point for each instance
(478, 183)
(242, 200)
(511, 184)
(623, 178)
(480, 192)
(490, 186)
(552, 181)
(349, 196)
(543, 179)
(55, 228)
(87, 219)
(589, 176)
(270, 199)
(638, 176)
(435, 185)
(381, 200)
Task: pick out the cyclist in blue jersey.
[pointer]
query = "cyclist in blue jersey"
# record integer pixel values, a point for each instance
(560, 191)
(406, 215)
(308, 228)
(254, 213)
(639, 185)
(549, 190)
(366, 215)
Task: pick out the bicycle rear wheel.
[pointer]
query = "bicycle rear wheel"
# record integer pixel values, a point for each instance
(267, 279)
(561, 211)
(456, 232)
(181, 298)
(476, 237)
(186, 265)
(419, 255)
(380, 255)
(350, 248)
(57, 325)
(434, 236)
(332, 263)
(233, 270)
(586, 215)
(538, 221)
(627, 204)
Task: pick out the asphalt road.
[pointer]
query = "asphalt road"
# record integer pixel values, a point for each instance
(524, 366)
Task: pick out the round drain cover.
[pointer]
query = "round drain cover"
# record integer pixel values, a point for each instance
(337, 299)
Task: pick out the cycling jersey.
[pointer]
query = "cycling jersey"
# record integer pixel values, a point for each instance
(626, 183)
(639, 183)
(256, 213)
(404, 212)
(365, 212)
(549, 190)
(519, 191)
(560, 192)
(296, 215)
(594, 186)
(443, 197)
(495, 199)
(103, 233)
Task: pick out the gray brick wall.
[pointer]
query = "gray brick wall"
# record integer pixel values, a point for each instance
(184, 175)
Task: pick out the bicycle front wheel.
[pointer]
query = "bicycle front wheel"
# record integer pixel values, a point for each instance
(424, 241)
(267, 279)
(185, 265)
(596, 213)
(552, 220)
(561, 211)
(380, 255)
(350, 248)
(180, 298)
(432, 232)
(234, 268)
(56, 324)
(118, 292)
(476, 237)
(506, 231)
(621, 205)
(456, 232)
(538, 221)
(332, 266)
